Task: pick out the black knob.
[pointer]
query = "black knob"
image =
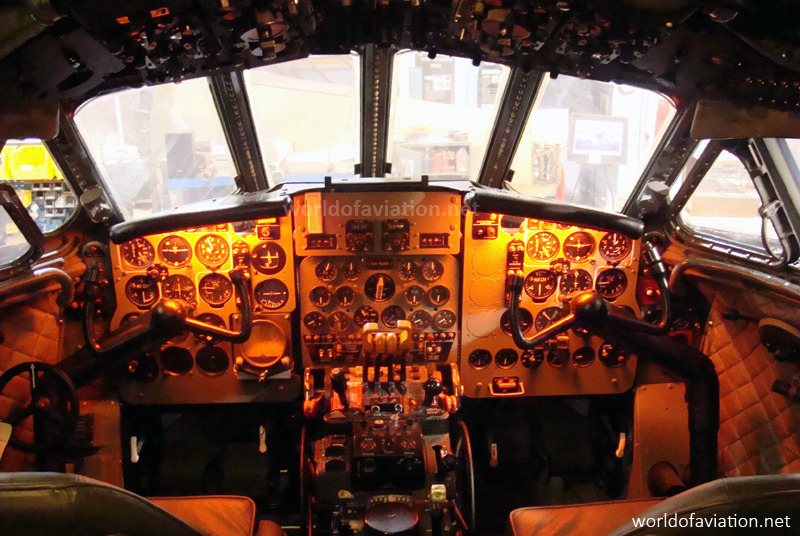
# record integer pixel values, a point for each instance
(339, 386)
(433, 388)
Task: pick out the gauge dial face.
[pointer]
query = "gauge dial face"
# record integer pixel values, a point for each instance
(365, 315)
(420, 320)
(432, 270)
(175, 251)
(212, 360)
(379, 287)
(542, 246)
(212, 250)
(583, 356)
(268, 258)
(326, 271)
(179, 287)
(547, 316)
(438, 295)
(214, 320)
(414, 295)
(576, 280)
(314, 320)
(611, 284)
(176, 361)
(345, 296)
(138, 252)
(611, 356)
(215, 289)
(350, 270)
(272, 294)
(391, 315)
(444, 319)
(506, 357)
(578, 247)
(480, 358)
(540, 284)
(525, 321)
(409, 270)
(339, 321)
(320, 296)
(614, 246)
(141, 290)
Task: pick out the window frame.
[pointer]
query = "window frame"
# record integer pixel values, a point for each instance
(766, 179)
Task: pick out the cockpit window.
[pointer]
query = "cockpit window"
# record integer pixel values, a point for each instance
(587, 142)
(442, 113)
(40, 185)
(158, 147)
(307, 117)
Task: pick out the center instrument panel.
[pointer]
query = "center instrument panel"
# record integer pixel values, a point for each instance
(391, 261)
(378, 258)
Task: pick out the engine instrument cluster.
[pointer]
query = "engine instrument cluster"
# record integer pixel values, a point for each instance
(557, 261)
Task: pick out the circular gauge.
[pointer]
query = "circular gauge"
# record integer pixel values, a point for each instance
(542, 246)
(339, 321)
(539, 284)
(525, 321)
(547, 316)
(578, 247)
(408, 270)
(345, 296)
(438, 295)
(420, 320)
(142, 290)
(611, 356)
(432, 270)
(212, 250)
(216, 289)
(138, 252)
(365, 315)
(444, 319)
(576, 280)
(506, 357)
(268, 258)
(558, 356)
(532, 358)
(314, 320)
(391, 315)
(414, 295)
(350, 270)
(212, 360)
(583, 356)
(479, 358)
(611, 283)
(272, 294)
(320, 296)
(175, 251)
(326, 271)
(214, 320)
(614, 246)
(379, 287)
(178, 287)
(176, 361)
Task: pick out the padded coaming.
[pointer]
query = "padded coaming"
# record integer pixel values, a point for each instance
(759, 429)
(572, 519)
(31, 332)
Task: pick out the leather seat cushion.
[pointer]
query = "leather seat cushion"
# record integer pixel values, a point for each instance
(219, 515)
(584, 519)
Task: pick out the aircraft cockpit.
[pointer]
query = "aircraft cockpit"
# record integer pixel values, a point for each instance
(419, 268)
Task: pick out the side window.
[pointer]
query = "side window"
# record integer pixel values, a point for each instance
(28, 167)
(726, 203)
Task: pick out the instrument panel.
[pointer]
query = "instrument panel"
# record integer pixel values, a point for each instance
(343, 260)
(193, 266)
(557, 260)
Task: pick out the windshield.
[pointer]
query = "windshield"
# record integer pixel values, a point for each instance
(588, 142)
(158, 147)
(442, 112)
(306, 114)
